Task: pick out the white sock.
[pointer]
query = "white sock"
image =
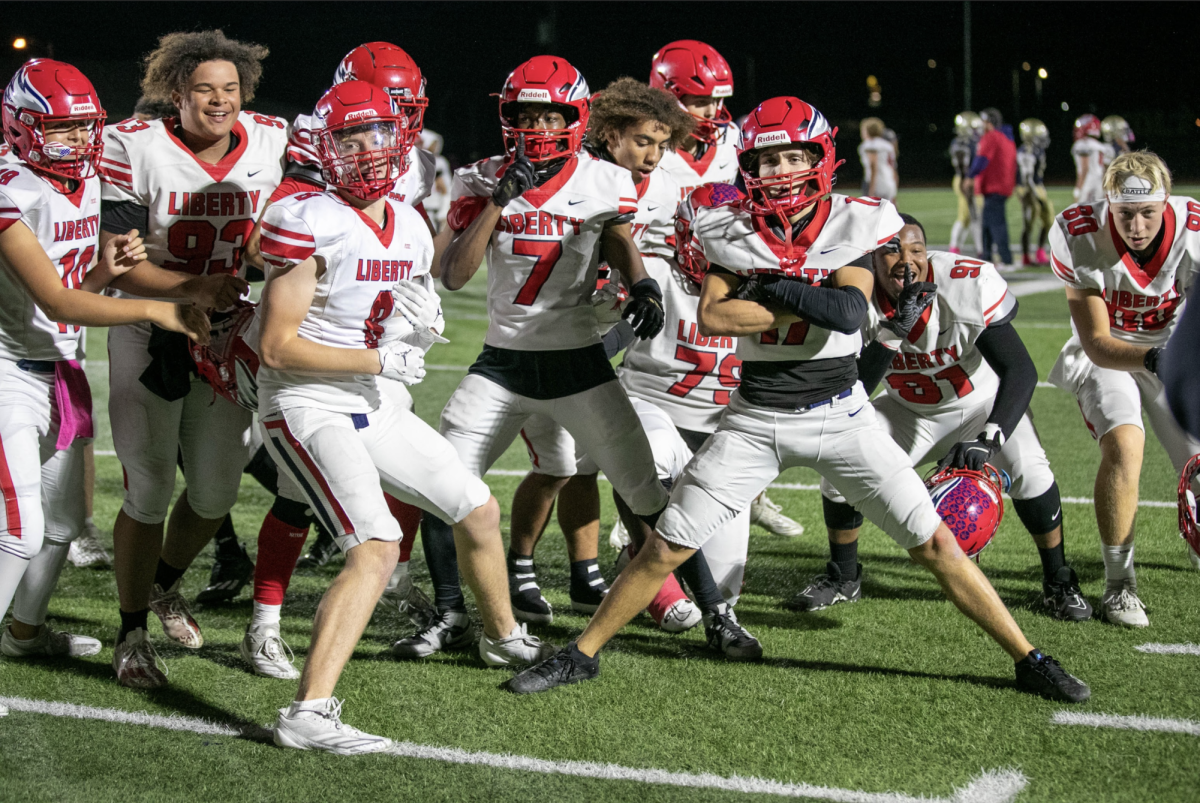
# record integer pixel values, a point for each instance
(87, 522)
(320, 704)
(1118, 565)
(398, 575)
(265, 616)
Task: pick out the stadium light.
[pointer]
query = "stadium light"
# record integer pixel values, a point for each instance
(1025, 66)
(1065, 106)
(932, 64)
(1042, 73)
(19, 43)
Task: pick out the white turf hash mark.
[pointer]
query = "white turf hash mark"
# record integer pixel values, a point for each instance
(995, 786)
(1159, 724)
(1169, 649)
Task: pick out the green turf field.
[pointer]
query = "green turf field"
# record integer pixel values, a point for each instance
(890, 699)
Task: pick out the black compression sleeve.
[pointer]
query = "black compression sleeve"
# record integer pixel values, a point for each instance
(122, 217)
(305, 172)
(873, 364)
(840, 309)
(1004, 351)
(617, 338)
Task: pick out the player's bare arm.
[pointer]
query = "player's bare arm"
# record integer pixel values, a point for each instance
(218, 291)
(1090, 315)
(721, 312)
(441, 241)
(464, 254)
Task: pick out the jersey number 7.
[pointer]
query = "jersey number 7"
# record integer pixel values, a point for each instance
(547, 254)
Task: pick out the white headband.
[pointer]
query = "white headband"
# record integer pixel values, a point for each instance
(1136, 190)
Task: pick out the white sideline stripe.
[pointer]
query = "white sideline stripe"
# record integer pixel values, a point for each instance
(1136, 723)
(1169, 649)
(995, 786)
(1046, 385)
(1031, 286)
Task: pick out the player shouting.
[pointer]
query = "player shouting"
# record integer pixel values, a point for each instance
(789, 276)
(1126, 260)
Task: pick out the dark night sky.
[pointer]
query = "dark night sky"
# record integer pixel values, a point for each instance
(1122, 58)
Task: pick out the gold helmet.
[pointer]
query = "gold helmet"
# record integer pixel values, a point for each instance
(1114, 129)
(1034, 132)
(967, 124)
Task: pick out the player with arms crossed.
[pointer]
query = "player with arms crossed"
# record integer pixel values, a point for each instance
(49, 216)
(544, 215)
(789, 276)
(1031, 189)
(958, 385)
(1127, 261)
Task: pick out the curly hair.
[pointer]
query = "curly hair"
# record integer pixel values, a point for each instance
(171, 64)
(627, 102)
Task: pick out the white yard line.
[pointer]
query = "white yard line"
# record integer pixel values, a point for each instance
(997, 786)
(1169, 649)
(1159, 724)
(1031, 286)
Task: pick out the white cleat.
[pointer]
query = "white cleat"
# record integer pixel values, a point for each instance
(177, 622)
(137, 664)
(48, 644)
(769, 516)
(451, 630)
(86, 552)
(518, 648)
(1123, 607)
(268, 654)
(683, 615)
(324, 730)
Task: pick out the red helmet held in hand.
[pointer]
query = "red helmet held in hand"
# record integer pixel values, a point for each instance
(362, 139)
(552, 80)
(970, 504)
(228, 364)
(391, 69)
(688, 67)
(47, 94)
(1189, 530)
(780, 121)
(688, 258)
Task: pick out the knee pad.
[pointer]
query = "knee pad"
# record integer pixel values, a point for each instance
(293, 514)
(840, 516)
(1041, 514)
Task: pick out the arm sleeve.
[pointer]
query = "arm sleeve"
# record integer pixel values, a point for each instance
(617, 338)
(873, 364)
(1004, 351)
(121, 217)
(286, 238)
(840, 309)
(977, 165)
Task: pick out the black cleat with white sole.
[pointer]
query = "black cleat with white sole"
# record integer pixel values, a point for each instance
(232, 570)
(565, 667)
(1038, 673)
(1063, 599)
(825, 590)
(725, 634)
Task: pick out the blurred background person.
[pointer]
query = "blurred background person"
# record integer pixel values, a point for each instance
(1031, 189)
(878, 157)
(968, 128)
(994, 171)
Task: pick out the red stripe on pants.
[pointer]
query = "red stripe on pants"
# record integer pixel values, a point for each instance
(12, 508)
(409, 518)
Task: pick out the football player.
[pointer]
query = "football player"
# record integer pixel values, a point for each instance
(957, 388)
(968, 128)
(1091, 155)
(1126, 261)
(51, 268)
(438, 202)
(878, 157)
(1031, 189)
(543, 214)
(339, 441)
(1117, 135)
(194, 184)
(789, 275)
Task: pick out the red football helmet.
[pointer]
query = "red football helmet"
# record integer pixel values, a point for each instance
(970, 504)
(361, 139)
(1087, 125)
(688, 259)
(228, 364)
(392, 70)
(778, 121)
(688, 67)
(45, 93)
(1189, 530)
(546, 79)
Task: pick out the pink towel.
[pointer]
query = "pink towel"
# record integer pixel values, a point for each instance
(74, 397)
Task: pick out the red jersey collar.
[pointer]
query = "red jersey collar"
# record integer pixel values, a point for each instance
(699, 166)
(539, 195)
(1144, 274)
(800, 243)
(218, 171)
(389, 222)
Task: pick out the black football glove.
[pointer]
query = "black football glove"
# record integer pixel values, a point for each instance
(1153, 360)
(518, 177)
(914, 299)
(645, 309)
(971, 454)
(755, 288)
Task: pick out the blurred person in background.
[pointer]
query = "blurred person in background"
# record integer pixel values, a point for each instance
(878, 157)
(968, 128)
(994, 171)
(1031, 189)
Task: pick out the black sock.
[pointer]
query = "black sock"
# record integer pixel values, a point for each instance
(583, 572)
(573, 649)
(166, 574)
(132, 621)
(437, 540)
(1053, 559)
(227, 545)
(695, 572)
(513, 557)
(846, 558)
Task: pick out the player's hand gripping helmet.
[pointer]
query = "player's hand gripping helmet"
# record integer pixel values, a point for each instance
(968, 124)
(552, 80)
(1034, 132)
(392, 70)
(688, 67)
(1087, 125)
(45, 93)
(688, 257)
(227, 363)
(1189, 529)
(1114, 129)
(779, 121)
(361, 139)
(969, 503)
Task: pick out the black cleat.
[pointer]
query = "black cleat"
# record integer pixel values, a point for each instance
(565, 667)
(1062, 598)
(232, 570)
(320, 553)
(528, 604)
(1040, 674)
(827, 589)
(726, 635)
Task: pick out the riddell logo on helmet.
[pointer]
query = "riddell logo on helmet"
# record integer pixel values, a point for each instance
(83, 108)
(723, 91)
(771, 138)
(361, 113)
(534, 95)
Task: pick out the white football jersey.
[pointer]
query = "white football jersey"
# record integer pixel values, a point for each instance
(543, 256)
(200, 213)
(885, 165)
(7, 157)
(937, 366)
(1097, 154)
(67, 226)
(843, 229)
(352, 305)
(718, 164)
(1143, 300)
(653, 225)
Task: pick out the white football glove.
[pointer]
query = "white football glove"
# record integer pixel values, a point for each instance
(402, 362)
(418, 303)
(608, 302)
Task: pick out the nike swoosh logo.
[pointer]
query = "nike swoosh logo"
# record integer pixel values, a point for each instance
(722, 167)
(252, 175)
(943, 331)
(572, 203)
(830, 250)
(856, 412)
(651, 208)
